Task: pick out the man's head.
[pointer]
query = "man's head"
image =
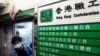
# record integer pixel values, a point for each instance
(16, 41)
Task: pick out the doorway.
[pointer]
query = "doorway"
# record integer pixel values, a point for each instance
(24, 30)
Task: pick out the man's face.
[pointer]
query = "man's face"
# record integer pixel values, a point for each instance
(17, 44)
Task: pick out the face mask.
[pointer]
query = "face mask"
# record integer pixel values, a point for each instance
(18, 45)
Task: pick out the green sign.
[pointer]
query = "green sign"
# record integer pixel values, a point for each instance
(68, 40)
(89, 49)
(46, 15)
(46, 51)
(70, 27)
(74, 39)
(71, 34)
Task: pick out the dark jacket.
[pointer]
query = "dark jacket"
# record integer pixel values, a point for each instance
(27, 48)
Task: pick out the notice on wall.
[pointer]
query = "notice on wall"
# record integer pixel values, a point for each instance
(69, 28)
(70, 12)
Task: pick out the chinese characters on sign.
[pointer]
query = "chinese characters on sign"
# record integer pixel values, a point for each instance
(65, 46)
(93, 3)
(78, 6)
(58, 10)
(79, 34)
(68, 8)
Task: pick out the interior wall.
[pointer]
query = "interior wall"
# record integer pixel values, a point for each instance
(5, 39)
(9, 31)
(1, 41)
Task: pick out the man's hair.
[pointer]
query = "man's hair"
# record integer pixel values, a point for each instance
(16, 38)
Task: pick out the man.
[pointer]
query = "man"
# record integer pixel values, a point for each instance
(21, 49)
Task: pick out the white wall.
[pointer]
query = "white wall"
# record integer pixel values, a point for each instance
(2, 1)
